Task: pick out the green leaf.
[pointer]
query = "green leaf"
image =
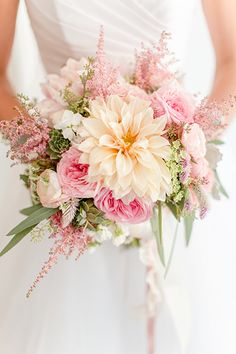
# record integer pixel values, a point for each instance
(30, 210)
(172, 250)
(16, 239)
(32, 220)
(156, 223)
(221, 188)
(173, 208)
(188, 226)
(217, 142)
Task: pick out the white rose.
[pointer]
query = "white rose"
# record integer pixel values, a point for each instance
(49, 190)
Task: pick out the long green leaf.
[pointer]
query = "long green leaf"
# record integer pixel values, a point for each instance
(16, 239)
(221, 188)
(172, 250)
(188, 226)
(217, 142)
(156, 223)
(31, 210)
(33, 219)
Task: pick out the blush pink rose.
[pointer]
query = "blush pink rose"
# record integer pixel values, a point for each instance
(49, 190)
(72, 175)
(177, 104)
(135, 212)
(199, 168)
(194, 141)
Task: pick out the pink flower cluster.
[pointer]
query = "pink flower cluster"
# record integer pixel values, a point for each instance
(28, 137)
(210, 116)
(105, 78)
(67, 240)
(152, 67)
(194, 142)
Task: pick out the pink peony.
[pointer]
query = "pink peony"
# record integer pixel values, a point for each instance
(49, 190)
(194, 141)
(72, 175)
(135, 212)
(174, 102)
(200, 168)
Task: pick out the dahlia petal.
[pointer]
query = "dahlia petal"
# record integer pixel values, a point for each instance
(95, 127)
(87, 145)
(124, 164)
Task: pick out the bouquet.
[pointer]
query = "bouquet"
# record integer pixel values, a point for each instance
(103, 151)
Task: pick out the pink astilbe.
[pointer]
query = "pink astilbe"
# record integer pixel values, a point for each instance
(27, 136)
(68, 240)
(105, 78)
(211, 116)
(152, 67)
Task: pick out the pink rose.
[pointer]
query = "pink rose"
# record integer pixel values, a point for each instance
(135, 212)
(72, 175)
(194, 141)
(171, 100)
(49, 190)
(200, 168)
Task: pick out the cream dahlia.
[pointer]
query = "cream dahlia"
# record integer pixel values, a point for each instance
(125, 149)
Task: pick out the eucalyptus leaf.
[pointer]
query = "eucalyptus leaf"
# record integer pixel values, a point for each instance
(217, 142)
(172, 250)
(156, 223)
(188, 226)
(16, 239)
(221, 188)
(30, 210)
(32, 220)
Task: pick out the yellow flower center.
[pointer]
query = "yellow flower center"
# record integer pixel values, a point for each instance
(129, 139)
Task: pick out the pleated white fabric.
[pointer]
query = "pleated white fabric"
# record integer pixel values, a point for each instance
(96, 305)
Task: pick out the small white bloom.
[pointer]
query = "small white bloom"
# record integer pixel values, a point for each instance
(102, 234)
(68, 122)
(121, 235)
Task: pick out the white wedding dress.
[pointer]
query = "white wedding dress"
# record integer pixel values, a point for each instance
(96, 305)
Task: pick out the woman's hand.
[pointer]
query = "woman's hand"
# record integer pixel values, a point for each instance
(7, 29)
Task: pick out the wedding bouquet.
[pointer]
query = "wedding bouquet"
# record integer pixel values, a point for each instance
(103, 151)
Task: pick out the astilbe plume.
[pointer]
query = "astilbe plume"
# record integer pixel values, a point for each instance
(105, 76)
(211, 116)
(67, 240)
(27, 136)
(153, 65)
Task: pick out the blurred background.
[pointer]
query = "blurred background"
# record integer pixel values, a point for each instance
(211, 261)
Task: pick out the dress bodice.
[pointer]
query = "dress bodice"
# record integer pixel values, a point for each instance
(69, 28)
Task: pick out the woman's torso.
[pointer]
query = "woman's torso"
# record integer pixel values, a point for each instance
(70, 28)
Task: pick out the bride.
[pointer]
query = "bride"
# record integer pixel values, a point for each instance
(95, 306)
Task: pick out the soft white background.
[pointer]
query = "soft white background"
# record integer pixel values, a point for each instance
(211, 279)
